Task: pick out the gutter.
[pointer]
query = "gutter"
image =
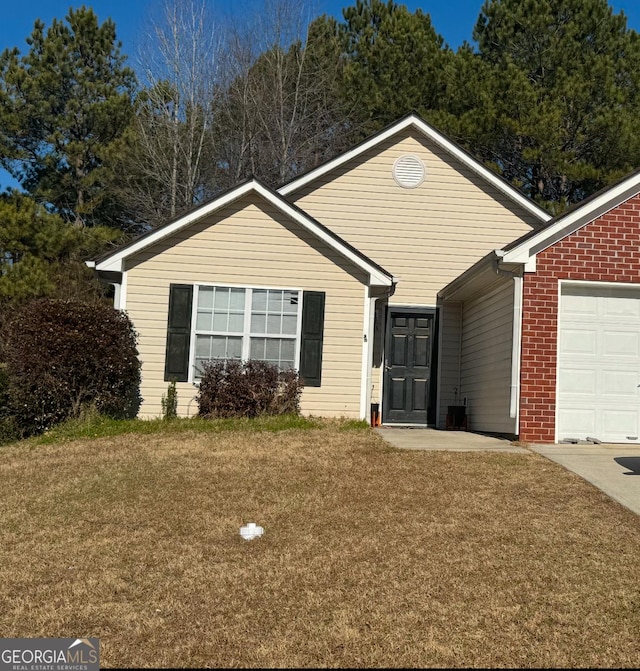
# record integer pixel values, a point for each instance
(516, 338)
(116, 278)
(449, 292)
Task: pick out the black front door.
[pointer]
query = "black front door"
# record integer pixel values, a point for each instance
(407, 378)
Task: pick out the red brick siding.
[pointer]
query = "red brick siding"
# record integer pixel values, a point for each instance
(606, 250)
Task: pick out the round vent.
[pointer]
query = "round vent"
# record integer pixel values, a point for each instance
(408, 171)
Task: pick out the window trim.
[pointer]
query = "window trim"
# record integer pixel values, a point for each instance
(247, 334)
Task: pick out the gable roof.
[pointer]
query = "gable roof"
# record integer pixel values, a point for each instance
(415, 122)
(581, 214)
(114, 261)
(521, 250)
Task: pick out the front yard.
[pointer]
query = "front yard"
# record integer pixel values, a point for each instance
(371, 557)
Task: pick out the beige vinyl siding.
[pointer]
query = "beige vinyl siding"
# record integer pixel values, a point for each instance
(250, 244)
(426, 236)
(450, 317)
(487, 335)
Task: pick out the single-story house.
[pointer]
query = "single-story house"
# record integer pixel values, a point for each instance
(403, 275)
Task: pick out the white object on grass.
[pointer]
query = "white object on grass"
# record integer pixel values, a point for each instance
(251, 531)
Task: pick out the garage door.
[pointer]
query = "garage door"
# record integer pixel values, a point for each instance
(599, 363)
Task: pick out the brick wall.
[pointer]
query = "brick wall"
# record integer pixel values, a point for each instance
(606, 250)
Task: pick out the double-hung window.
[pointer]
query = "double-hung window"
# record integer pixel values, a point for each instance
(246, 323)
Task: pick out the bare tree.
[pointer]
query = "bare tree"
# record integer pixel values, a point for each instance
(281, 112)
(178, 64)
(264, 103)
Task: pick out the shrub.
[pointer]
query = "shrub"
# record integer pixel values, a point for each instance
(4, 389)
(169, 402)
(234, 389)
(64, 355)
(9, 430)
(287, 402)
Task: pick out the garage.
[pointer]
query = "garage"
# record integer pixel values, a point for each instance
(599, 362)
(575, 317)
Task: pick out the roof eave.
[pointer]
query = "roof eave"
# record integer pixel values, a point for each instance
(574, 220)
(441, 140)
(456, 288)
(378, 276)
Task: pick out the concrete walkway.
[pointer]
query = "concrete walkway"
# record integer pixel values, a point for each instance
(608, 467)
(408, 438)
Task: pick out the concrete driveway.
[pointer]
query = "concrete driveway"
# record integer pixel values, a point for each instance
(609, 467)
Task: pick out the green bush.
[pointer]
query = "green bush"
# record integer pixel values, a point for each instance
(65, 355)
(4, 389)
(9, 430)
(169, 402)
(234, 389)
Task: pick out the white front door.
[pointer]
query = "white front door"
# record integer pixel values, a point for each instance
(599, 363)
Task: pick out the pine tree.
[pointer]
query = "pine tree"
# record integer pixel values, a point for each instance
(552, 96)
(395, 62)
(61, 105)
(42, 255)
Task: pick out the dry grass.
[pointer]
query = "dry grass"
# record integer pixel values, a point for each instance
(371, 557)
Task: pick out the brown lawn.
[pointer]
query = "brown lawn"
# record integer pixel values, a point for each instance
(371, 557)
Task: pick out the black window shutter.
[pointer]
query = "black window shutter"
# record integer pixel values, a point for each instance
(176, 363)
(311, 340)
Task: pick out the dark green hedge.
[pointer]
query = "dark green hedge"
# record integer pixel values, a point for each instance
(65, 355)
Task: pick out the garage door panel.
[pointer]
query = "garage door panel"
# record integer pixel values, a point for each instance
(580, 304)
(599, 363)
(620, 383)
(621, 307)
(575, 421)
(620, 344)
(577, 381)
(620, 425)
(578, 341)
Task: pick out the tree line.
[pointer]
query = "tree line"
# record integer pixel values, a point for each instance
(105, 147)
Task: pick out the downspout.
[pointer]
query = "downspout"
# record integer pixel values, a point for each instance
(115, 278)
(458, 389)
(516, 339)
(117, 295)
(514, 405)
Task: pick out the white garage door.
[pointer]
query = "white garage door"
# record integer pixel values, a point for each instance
(599, 363)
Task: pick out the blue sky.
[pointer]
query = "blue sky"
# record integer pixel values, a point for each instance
(453, 19)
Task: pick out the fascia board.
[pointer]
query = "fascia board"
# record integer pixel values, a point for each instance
(446, 144)
(345, 157)
(460, 284)
(115, 262)
(376, 277)
(573, 221)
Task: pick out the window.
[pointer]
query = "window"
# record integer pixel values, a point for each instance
(208, 323)
(237, 323)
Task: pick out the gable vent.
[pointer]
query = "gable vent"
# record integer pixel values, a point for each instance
(408, 171)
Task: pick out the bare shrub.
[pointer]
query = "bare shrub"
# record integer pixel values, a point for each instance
(236, 389)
